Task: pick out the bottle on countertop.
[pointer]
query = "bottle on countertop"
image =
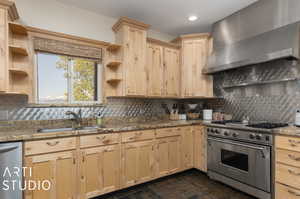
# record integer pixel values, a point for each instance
(297, 118)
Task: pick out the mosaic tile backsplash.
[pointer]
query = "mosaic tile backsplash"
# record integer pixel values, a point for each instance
(264, 92)
(114, 108)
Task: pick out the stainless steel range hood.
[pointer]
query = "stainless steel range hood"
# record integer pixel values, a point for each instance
(264, 31)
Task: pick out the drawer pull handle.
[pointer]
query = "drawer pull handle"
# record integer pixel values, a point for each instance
(293, 173)
(294, 143)
(52, 143)
(294, 158)
(101, 138)
(293, 193)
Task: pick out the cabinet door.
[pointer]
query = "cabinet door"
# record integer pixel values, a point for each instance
(187, 72)
(200, 148)
(187, 147)
(99, 170)
(59, 169)
(137, 163)
(202, 84)
(155, 71)
(172, 72)
(135, 59)
(168, 156)
(195, 56)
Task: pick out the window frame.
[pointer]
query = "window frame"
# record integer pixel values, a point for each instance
(70, 101)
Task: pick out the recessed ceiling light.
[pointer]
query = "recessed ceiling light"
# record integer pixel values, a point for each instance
(193, 18)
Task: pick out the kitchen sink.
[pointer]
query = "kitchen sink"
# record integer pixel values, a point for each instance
(67, 129)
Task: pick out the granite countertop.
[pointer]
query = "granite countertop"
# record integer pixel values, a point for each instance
(288, 131)
(33, 134)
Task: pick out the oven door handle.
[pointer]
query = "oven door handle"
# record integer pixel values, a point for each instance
(261, 149)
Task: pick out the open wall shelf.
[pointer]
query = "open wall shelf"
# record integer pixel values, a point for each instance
(18, 50)
(16, 28)
(113, 47)
(19, 72)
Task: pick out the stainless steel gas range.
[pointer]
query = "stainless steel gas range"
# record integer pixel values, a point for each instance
(241, 156)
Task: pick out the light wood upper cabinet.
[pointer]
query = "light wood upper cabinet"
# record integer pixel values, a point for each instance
(172, 72)
(200, 148)
(99, 170)
(155, 70)
(131, 76)
(59, 168)
(195, 52)
(135, 61)
(137, 162)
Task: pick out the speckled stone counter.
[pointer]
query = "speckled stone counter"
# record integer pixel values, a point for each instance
(288, 131)
(12, 134)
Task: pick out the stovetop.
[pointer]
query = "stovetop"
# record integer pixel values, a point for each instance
(258, 125)
(267, 125)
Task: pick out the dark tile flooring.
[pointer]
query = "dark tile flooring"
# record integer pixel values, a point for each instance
(191, 184)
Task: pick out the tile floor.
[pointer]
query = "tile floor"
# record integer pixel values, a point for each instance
(191, 184)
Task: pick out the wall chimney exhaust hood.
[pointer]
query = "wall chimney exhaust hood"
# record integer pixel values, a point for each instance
(264, 31)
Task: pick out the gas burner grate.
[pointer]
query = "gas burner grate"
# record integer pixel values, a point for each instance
(267, 125)
(224, 122)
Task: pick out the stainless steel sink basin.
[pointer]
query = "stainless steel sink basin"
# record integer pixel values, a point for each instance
(66, 129)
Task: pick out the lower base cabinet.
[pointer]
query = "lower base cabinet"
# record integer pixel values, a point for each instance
(99, 170)
(88, 166)
(58, 168)
(200, 148)
(168, 156)
(137, 163)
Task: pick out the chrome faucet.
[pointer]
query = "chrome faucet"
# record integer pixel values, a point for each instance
(77, 117)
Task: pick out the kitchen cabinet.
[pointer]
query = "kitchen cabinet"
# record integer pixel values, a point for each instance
(200, 148)
(187, 135)
(196, 49)
(172, 72)
(87, 166)
(16, 71)
(58, 168)
(99, 170)
(131, 78)
(168, 153)
(137, 162)
(287, 168)
(155, 70)
(163, 69)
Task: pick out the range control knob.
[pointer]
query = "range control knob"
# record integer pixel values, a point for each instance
(208, 130)
(235, 135)
(226, 133)
(252, 136)
(217, 132)
(267, 138)
(258, 136)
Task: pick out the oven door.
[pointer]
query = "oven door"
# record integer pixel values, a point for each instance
(246, 163)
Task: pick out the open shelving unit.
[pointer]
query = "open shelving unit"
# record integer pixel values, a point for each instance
(113, 69)
(20, 70)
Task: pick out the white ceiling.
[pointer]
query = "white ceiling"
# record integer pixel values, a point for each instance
(168, 16)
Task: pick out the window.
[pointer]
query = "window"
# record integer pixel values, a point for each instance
(64, 79)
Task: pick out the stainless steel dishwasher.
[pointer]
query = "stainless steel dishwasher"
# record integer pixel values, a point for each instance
(11, 170)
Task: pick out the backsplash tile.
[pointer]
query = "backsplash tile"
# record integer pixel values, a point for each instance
(264, 92)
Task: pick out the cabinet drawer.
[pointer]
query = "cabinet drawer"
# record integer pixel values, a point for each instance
(48, 146)
(168, 132)
(288, 175)
(288, 157)
(289, 143)
(99, 140)
(137, 136)
(285, 192)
